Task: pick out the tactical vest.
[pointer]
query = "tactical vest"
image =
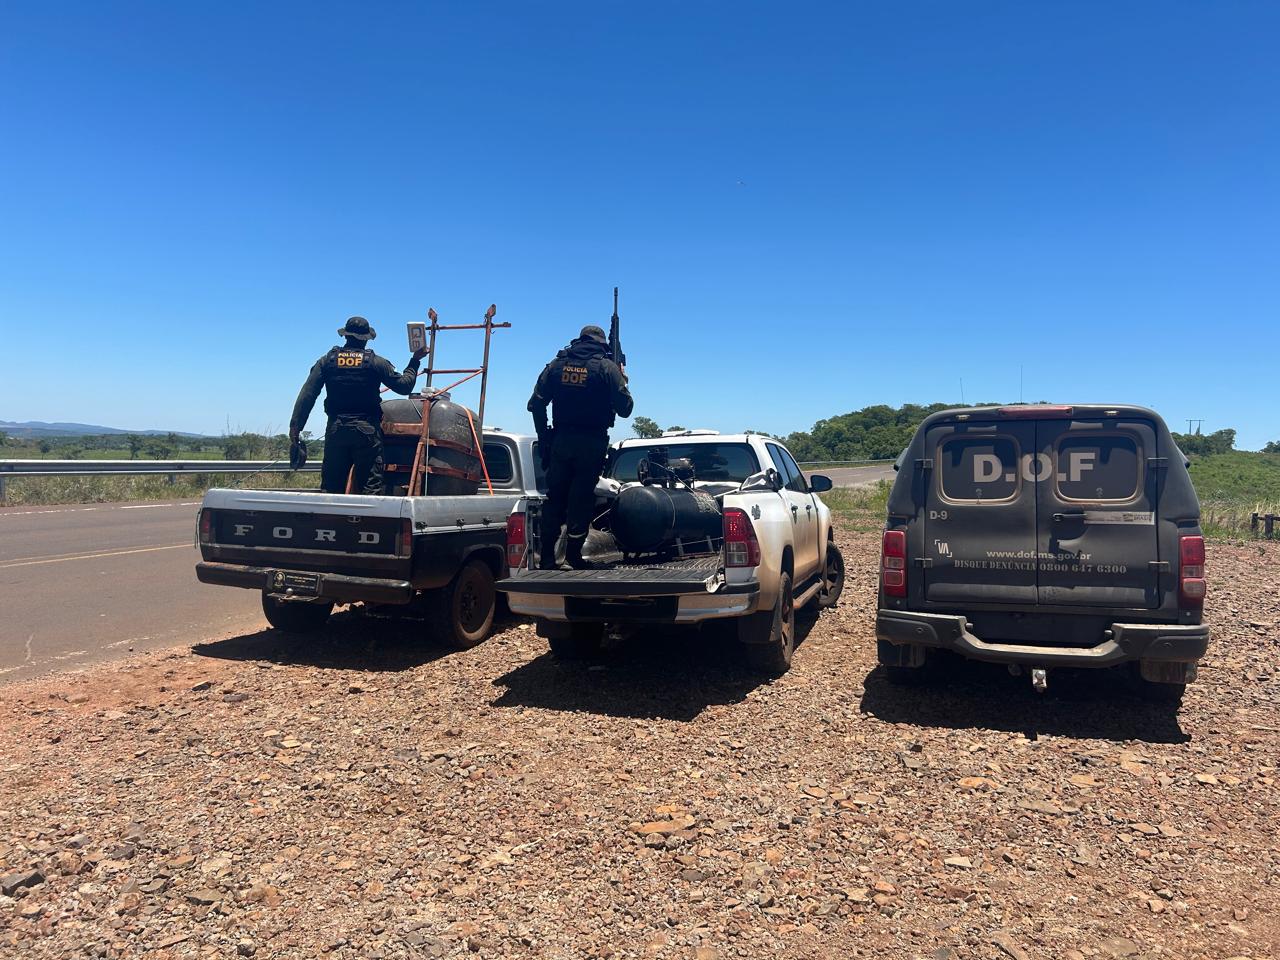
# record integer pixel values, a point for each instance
(580, 393)
(351, 384)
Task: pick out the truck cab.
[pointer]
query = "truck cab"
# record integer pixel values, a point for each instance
(1044, 535)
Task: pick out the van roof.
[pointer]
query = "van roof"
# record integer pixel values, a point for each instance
(1041, 411)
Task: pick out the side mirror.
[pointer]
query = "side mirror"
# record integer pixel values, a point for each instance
(819, 484)
(764, 480)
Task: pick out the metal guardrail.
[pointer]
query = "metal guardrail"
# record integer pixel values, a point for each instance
(93, 468)
(171, 468)
(124, 468)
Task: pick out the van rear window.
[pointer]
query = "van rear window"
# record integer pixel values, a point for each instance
(1098, 468)
(497, 458)
(979, 468)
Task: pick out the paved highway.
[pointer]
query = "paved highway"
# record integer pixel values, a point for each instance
(79, 583)
(84, 583)
(855, 476)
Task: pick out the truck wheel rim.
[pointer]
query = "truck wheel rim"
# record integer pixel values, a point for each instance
(471, 612)
(835, 572)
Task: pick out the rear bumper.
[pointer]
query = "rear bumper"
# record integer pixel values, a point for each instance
(1125, 642)
(729, 601)
(332, 586)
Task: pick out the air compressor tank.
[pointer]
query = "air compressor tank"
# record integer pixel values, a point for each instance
(649, 518)
(453, 447)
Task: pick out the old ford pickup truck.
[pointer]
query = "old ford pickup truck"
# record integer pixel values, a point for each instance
(309, 552)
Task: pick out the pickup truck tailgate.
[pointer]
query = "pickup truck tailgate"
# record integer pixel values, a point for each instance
(696, 574)
(358, 535)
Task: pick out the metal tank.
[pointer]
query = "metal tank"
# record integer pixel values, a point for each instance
(652, 518)
(453, 457)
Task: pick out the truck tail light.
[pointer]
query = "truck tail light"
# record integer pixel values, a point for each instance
(404, 539)
(206, 525)
(517, 540)
(1191, 582)
(893, 563)
(741, 548)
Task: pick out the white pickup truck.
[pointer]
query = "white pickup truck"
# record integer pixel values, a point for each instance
(690, 528)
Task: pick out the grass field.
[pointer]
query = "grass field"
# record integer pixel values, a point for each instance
(861, 509)
(1233, 486)
(39, 491)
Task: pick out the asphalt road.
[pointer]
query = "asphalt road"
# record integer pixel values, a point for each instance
(855, 476)
(85, 583)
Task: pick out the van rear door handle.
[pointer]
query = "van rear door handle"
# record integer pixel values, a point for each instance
(1074, 515)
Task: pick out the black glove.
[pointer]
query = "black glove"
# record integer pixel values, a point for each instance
(298, 454)
(545, 443)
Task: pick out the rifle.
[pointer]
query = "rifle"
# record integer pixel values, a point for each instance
(615, 339)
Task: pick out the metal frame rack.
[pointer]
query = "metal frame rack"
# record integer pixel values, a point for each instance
(421, 459)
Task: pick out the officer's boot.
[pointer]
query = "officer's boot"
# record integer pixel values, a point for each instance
(548, 536)
(573, 551)
(547, 558)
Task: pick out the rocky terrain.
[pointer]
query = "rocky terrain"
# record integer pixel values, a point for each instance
(372, 795)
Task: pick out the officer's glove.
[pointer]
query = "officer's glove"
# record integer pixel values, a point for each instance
(297, 454)
(544, 450)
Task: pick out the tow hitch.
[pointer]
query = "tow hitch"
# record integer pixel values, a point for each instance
(1039, 676)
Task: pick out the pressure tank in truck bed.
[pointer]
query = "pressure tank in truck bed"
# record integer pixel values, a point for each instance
(649, 518)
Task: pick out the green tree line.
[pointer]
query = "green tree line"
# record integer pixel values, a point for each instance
(881, 432)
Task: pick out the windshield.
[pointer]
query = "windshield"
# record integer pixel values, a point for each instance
(732, 462)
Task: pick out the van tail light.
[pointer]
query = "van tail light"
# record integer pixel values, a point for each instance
(517, 540)
(206, 525)
(404, 539)
(893, 563)
(1191, 583)
(741, 548)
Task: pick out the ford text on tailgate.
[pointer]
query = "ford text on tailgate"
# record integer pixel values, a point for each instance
(307, 531)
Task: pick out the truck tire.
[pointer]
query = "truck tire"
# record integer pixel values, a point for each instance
(296, 616)
(834, 574)
(461, 614)
(769, 638)
(576, 641)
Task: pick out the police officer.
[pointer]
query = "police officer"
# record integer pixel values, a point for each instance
(585, 389)
(350, 375)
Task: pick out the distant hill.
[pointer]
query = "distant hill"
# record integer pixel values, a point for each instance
(37, 428)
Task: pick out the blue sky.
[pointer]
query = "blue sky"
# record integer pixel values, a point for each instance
(809, 207)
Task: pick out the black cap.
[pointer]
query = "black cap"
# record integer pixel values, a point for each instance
(357, 328)
(592, 332)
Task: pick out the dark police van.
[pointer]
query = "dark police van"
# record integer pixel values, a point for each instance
(1044, 536)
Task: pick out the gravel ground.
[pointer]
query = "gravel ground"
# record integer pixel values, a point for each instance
(370, 795)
